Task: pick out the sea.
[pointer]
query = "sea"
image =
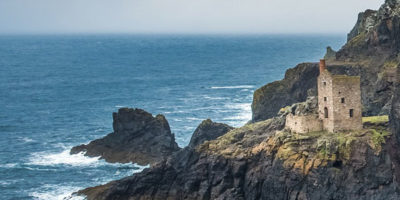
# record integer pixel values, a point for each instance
(58, 91)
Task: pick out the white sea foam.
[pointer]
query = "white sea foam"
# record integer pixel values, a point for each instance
(8, 165)
(193, 119)
(233, 87)
(215, 98)
(98, 130)
(26, 139)
(62, 158)
(56, 192)
(243, 116)
(60, 192)
(119, 106)
(4, 183)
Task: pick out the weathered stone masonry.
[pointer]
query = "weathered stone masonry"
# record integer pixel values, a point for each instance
(339, 105)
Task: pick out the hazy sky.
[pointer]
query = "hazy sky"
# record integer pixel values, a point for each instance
(181, 16)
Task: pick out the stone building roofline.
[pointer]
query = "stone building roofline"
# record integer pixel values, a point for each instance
(345, 77)
(323, 69)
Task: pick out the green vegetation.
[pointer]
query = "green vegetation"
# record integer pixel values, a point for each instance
(315, 149)
(376, 119)
(391, 64)
(378, 138)
(302, 152)
(357, 41)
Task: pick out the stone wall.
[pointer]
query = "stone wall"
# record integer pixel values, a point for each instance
(325, 99)
(303, 123)
(338, 94)
(346, 96)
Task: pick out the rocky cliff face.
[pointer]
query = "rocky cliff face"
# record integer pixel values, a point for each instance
(262, 161)
(376, 33)
(208, 130)
(395, 111)
(372, 51)
(298, 84)
(138, 137)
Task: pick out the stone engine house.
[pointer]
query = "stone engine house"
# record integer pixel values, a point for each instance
(339, 105)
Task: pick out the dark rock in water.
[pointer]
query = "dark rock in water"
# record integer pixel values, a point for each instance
(208, 130)
(138, 137)
(263, 161)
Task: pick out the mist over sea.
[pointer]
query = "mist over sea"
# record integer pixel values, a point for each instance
(60, 91)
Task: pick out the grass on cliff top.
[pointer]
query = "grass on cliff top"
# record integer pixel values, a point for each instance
(315, 149)
(237, 142)
(376, 119)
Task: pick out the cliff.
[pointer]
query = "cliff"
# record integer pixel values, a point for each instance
(208, 130)
(372, 51)
(262, 160)
(138, 137)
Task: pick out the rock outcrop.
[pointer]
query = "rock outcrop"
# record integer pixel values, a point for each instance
(138, 137)
(208, 130)
(299, 83)
(262, 161)
(372, 51)
(395, 111)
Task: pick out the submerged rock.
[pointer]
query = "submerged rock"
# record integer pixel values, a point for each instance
(138, 137)
(208, 130)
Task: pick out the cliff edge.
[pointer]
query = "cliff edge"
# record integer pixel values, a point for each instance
(262, 160)
(372, 52)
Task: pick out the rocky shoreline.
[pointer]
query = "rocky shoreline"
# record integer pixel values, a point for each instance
(140, 138)
(262, 160)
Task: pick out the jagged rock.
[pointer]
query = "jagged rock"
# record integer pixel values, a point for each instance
(365, 22)
(299, 83)
(208, 130)
(310, 106)
(372, 52)
(138, 137)
(261, 161)
(258, 161)
(395, 110)
(330, 54)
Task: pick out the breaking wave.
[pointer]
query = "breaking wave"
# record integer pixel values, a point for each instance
(62, 158)
(56, 192)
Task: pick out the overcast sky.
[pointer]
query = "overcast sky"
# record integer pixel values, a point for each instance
(181, 16)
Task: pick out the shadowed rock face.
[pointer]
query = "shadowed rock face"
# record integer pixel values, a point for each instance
(258, 161)
(298, 84)
(372, 51)
(395, 112)
(262, 161)
(208, 130)
(138, 137)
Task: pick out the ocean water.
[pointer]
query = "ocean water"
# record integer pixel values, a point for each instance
(60, 91)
